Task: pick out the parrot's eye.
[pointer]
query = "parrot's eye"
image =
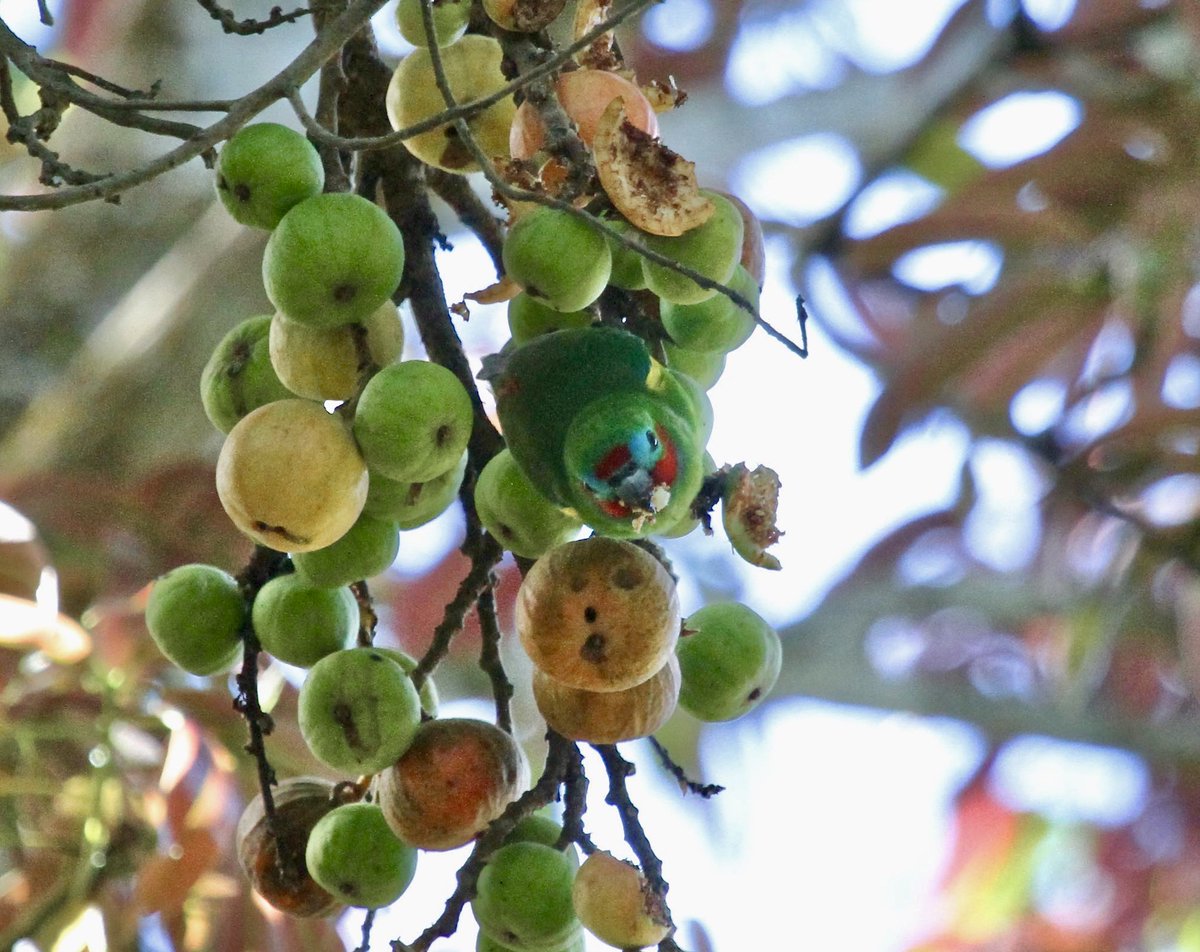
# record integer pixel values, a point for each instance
(651, 439)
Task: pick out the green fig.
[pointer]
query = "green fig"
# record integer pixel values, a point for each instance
(358, 711)
(558, 259)
(264, 170)
(195, 615)
(511, 509)
(413, 421)
(301, 624)
(368, 548)
(354, 855)
(239, 376)
(410, 504)
(523, 897)
(729, 659)
(333, 259)
(711, 249)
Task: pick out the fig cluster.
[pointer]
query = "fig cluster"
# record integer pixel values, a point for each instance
(334, 445)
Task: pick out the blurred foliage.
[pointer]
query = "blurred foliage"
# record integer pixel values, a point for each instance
(121, 778)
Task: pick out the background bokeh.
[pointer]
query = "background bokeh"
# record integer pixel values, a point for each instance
(985, 736)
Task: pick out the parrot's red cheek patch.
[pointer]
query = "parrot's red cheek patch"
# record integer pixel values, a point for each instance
(667, 468)
(612, 461)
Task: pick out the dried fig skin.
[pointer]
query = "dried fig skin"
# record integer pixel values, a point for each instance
(652, 186)
(609, 717)
(598, 614)
(277, 870)
(458, 775)
(584, 94)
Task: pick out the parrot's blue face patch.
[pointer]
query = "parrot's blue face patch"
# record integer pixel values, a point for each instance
(626, 475)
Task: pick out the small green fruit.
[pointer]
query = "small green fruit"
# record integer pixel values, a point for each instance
(368, 548)
(523, 897)
(450, 19)
(529, 318)
(729, 659)
(300, 624)
(264, 170)
(627, 270)
(358, 711)
(523, 520)
(485, 943)
(413, 504)
(557, 259)
(717, 324)
(239, 377)
(703, 367)
(332, 260)
(328, 363)
(355, 856)
(711, 249)
(195, 615)
(539, 828)
(428, 692)
(413, 421)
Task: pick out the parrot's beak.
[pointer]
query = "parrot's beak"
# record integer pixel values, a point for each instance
(636, 490)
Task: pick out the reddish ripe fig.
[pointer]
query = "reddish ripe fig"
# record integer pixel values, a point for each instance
(457, 776)
(276, 867)
(584, 94)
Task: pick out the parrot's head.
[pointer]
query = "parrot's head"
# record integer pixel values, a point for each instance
(631, 458)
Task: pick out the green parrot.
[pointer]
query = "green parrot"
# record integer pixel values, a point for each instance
(601, 428)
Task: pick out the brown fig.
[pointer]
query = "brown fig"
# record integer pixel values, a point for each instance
(598, 614)
(457, 776)
(275, 864)
(609, 717)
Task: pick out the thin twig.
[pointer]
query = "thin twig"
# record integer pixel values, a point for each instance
(489, 655)
(264, 565)
(106, 84)
(44, 13)
(575, 805)
(686, 784)
(249, 27)
(469, 589)
(618, 769)
(456, 191)
(368, 921)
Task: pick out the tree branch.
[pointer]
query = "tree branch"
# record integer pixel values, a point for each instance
(357, 15)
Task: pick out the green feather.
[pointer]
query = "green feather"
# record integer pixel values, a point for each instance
(542, 386)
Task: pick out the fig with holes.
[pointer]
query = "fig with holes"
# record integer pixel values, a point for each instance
(598, 614)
